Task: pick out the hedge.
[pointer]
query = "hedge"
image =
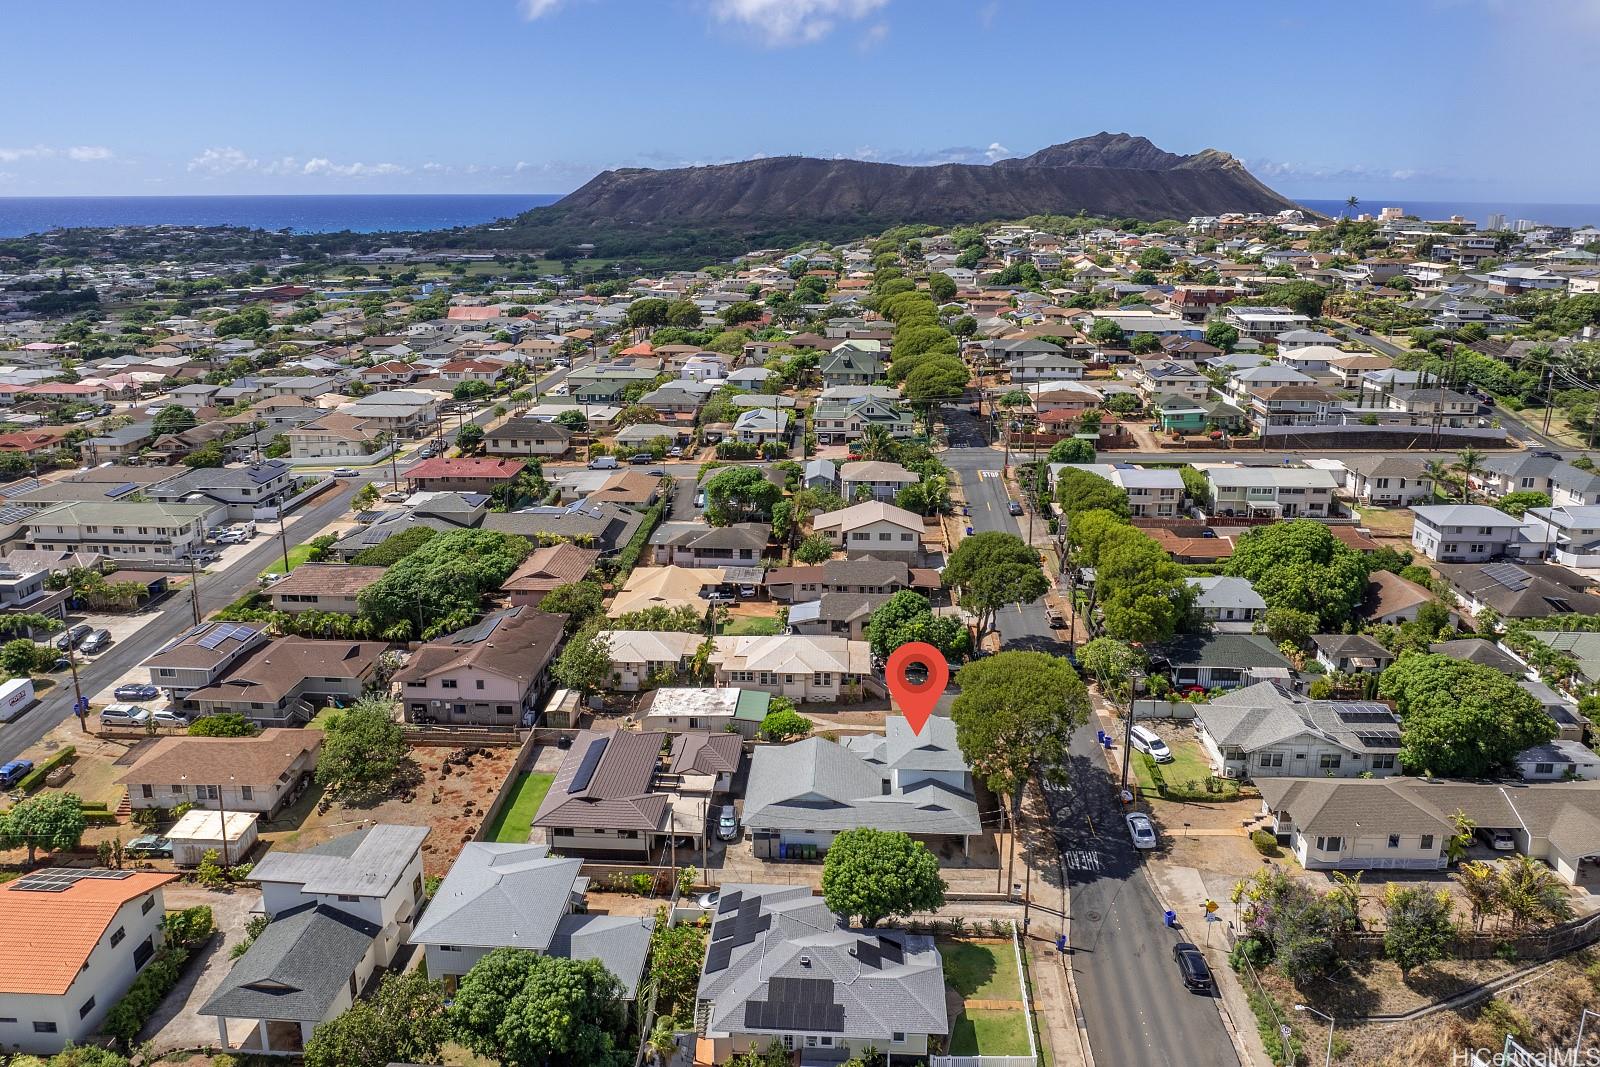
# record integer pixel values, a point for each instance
(35, 778)
(186, 930)
(622, 565)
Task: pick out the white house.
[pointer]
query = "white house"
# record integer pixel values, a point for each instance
(1464, 533)
(1229, 605)
(1276, 492)
(873, 528)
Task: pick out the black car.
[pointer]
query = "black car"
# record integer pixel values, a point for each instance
(1192, 965)
(1014, 508)
(74, 636)
(641, 459)
(136, 691)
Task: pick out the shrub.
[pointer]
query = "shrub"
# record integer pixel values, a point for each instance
(35, 778)
(1265, 843)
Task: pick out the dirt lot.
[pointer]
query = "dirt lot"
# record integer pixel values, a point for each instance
(451, 802)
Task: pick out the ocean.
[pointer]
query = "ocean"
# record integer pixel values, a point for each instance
(1550, 214)
(433, 211)
(303, 214)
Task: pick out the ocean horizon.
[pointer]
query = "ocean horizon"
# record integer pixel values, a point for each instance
(416, 212)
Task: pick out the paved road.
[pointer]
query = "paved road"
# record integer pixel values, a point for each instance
(1136, 1009)
(176, 613)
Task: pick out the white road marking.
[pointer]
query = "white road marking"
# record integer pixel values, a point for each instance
(988, 474)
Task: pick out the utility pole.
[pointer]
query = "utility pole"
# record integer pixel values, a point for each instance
(194, 588)
(80, 707)
(283, 540)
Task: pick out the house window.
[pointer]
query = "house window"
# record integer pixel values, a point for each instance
(348, 898)
(628, 835)
(449, 948)
(1383, 763)
(898, 1036)
(1394, 840)
(563, 831)
(147, 791)
(247, 792)
(447, 683)
(1329, 844)
(117, 935)
(1328, 761)
(1544, 768)
(44, 1028)
(88, 1006)
(502, 709)
(478, 683)
(1427, 842)
(149, 902)
(1270, 759)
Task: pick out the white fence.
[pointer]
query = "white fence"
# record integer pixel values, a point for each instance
(1032, 1058)
(1163, 709)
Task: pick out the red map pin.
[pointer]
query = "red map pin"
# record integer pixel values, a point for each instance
(916, 701)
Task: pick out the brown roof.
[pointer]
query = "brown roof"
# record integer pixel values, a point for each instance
(546, 568)
(1354, 538)
(515, 643)
(616, 795)
(702, 752)
(627, 487)
(256, 760)
(1387, 593)
(327, 579)
(188, 651)
(46, 938)
(1191, 549)
(1294, 392)
(274, 670)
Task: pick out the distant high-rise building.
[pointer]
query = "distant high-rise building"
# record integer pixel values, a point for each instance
(1524, 225)
(1391, 213)
(1497, 221)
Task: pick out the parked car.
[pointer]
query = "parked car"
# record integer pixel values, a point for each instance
(1192, 965)
(1499, 840)
(395, 497)
(1142, 830)
(124, 715)
(166, 717)
(345, 472)
(1149, 742)
(604, 463)
(1056, 621)
(83, 416)
(639, 459)
(717, 596)
(13, 772)
(74, 636)
(700, 499)
(1013, 507)
(675, 452)
(656, 472)
(747, 592)
(149, 847)
(104, 409)
(269, 577)
(136, 691)
(727, 824)
(96, 641)
(428, 451)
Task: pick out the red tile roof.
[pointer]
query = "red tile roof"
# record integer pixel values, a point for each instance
(46, 938)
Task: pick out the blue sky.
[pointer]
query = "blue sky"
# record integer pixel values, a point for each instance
(1432, 99)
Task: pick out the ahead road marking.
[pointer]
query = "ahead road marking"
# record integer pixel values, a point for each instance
(1083, 860)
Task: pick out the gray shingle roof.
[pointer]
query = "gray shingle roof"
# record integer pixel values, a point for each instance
(619, 942)
(296, 968)
(500, 895)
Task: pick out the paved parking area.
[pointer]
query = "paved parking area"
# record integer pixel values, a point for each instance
(177, 1023)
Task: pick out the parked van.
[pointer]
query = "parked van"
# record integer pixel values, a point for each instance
(604, 463)
(16, 697)
(1149, 742)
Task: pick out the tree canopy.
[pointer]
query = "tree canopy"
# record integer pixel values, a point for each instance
(364, 753)
(874, 874)
(1080, 490)
(1301, 565)
(49, 820)
(906, 617)
(1015, 716)
(1461, 719)
(740, 494)
(992, 569)
(520, 1009)
(405, 1022)
(438, 587)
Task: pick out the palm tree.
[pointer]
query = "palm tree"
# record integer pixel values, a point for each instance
(876, 443)
(1532, 894)
(1469, 462)
(1456, 845)
(1479, 883)
(1350, 203)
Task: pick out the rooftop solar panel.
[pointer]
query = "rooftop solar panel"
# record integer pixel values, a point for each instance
(121, 490)
(591, 760)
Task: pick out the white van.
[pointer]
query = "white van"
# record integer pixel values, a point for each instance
(604, 463)
(1149, 742)
(16, 697)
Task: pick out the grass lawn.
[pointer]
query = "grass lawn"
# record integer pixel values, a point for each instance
(319, 721)
(1189, 763)
(1387, 522)
(515, 820)
(753, 626)
(981, 972)
(298, 554)
(989, 1033)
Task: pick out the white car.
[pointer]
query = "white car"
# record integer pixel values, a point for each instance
(123, 715)
(1149, 742)
(727, 824)
(396, 497)
(1142, 830)
(345, 472)
(164, 717)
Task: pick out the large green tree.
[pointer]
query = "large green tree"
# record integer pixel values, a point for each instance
(405, 1022)
(585, 662)
(907, 616)
(1301, 565)
(1079, 491)
(874, 874)
(364, 753)
(740, 494)
(1461, 719)
(525, 1010)
(49, 820)
(991, 570)
(440, 585)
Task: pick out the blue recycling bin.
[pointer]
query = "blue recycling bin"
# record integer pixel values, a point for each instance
(1061, 943)
(1106, 741)
(1170, 918)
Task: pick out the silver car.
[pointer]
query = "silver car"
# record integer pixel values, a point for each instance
(124, 715)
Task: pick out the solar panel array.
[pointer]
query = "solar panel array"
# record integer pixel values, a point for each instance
(803, 1004)
(21, 485)
(1507, 574)
(873, 953)
(1378, 739)
(121, 490)
(735, 930)
(225, 632)
(1359, 713)
(10, 513)
(61, 879)
(591, 760)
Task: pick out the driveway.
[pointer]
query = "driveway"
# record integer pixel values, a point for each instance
(177, 1023)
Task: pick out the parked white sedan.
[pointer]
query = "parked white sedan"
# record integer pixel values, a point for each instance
(1142, 830)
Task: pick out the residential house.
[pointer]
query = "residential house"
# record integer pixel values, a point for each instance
(285, 682)
(694, 544)
(1517, 472)
(1465, 533)
(843, 415)
(730, 713)
(666, 587)
(1264, 323)
(874, 479)
(785, 971)
(1158, 377)
(1573, 487)
(606, 527)
(639, 657)
(333, 436)
(1351, 654)
(202, 654)
(258, 774)
(244, 491)
(520, 896)
(873, 528)
(322, 587)
(805, 669)
(1153, 493)
(523, 436)
(855, 362)
(339, 912)
(1271, 492)
(1520, 590)
(608, 800)
(72, 941)
(544, 570)
(1051, 366)
(796, 585)
(1556, 761)
(763, 425)
(1388, 481)
(398, 413)
(464, 475)
(1449, 407)
(490, 674)
(801, 795)
(1228, 605)
(1265, 731)
(1223, 661)
(838, 614)
(1391, 600)
(124, 531)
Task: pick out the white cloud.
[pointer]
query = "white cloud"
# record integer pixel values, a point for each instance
(778, 23)
(218, 161)
(1289, 170)
(538, 9)
(320, 165)
(996, 150)
(76, 153)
